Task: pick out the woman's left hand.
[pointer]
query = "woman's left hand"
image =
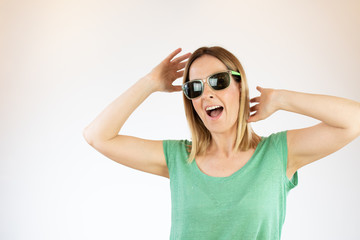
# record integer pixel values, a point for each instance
(266, 106)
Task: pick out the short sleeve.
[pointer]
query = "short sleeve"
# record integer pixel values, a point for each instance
(167, 146)
(281, 142)
(173, 151)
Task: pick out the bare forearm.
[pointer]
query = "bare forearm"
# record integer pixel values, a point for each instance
(109, 122)
(334, 111)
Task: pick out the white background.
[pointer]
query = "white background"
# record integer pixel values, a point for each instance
(63, 62)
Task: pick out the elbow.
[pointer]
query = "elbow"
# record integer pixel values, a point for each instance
(357, 124)
(353, 132)
(356, 127)
(92, 137)
(358, 133)
(86, 136)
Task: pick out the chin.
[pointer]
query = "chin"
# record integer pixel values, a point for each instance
(221, 128)
(217, 129)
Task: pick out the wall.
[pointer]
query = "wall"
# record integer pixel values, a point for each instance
(62, 62)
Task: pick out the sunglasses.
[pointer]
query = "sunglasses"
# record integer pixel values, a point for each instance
(217, 81)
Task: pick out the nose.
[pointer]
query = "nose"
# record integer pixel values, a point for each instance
(208, 91)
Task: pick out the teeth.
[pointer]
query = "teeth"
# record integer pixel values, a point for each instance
(211, 108)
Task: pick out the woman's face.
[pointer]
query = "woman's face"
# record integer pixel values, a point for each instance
(227, 98)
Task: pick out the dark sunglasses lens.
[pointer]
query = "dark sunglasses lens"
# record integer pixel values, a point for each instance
(193, 89)
(219, 81)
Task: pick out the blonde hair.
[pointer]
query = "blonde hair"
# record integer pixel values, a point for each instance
(246, 138)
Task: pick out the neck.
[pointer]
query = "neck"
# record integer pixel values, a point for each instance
(223, 144)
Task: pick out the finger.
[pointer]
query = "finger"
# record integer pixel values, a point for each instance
(250, 119)
(255, 99)
(182, 58)
(173, 54)
(182, 65)
(259, 88)
(176, 88)
(254, 108)
(179, 74)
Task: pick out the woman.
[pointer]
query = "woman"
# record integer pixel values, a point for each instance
(228, 182)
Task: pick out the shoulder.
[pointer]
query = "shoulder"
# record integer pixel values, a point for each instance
(275, 142)
(176, 142)
(276, 137)
(175, 152)
(176, 145)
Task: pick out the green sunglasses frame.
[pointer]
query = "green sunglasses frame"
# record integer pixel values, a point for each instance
(207, 80)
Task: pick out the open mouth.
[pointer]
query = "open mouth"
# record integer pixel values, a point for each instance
(215, 111)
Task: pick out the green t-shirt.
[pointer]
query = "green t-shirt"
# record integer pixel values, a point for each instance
(249, 204)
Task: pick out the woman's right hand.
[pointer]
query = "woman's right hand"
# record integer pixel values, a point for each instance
(164, 74)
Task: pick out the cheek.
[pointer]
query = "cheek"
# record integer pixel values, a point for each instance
(233, 101)
(197, 106)
(233, 93)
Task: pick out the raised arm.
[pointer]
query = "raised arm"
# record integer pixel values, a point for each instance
(103, 132)
(340, 123)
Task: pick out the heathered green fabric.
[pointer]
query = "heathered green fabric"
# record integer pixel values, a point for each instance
(249, 204)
